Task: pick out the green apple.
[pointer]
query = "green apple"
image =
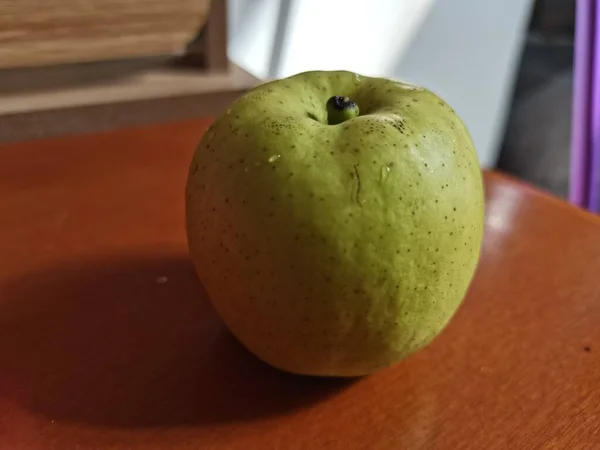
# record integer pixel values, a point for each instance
(335, 220)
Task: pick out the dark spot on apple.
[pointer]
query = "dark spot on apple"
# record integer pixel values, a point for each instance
(587, 348)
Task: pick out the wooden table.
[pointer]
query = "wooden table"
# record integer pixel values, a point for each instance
(107, 340)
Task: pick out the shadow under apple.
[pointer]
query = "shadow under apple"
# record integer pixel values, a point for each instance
(130, 341)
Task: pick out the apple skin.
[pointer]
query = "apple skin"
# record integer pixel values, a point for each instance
(335, 250)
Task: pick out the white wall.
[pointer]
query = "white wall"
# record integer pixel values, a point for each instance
(465, 50)
(251, 30)
(359, 35)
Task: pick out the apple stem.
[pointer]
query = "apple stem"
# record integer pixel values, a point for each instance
(340, 109)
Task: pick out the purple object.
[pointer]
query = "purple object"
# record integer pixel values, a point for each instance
(594, 174)
(585, 35)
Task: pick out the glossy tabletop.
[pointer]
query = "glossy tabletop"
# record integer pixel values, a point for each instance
(107, 340)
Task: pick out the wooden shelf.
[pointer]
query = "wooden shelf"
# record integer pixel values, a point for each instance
(44, 102)
(98, 78)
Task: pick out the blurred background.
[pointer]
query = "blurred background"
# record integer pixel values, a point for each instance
(72, 66)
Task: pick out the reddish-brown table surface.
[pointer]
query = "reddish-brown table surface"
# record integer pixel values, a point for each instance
(107, 340)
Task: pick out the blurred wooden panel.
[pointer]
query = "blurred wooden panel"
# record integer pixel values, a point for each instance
(58, 100)
(43, 32)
